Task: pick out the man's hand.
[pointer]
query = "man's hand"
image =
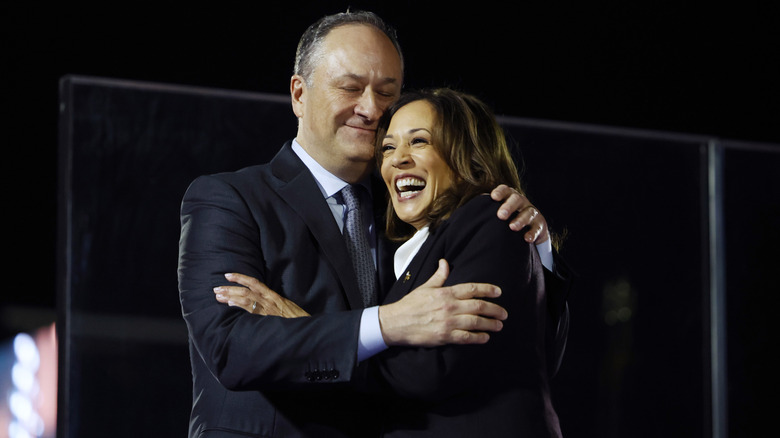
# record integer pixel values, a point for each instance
(256, 298)
(527, 214)
(432, 315)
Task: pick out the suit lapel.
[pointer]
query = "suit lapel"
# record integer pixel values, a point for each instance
(297, 187)
(422, 266)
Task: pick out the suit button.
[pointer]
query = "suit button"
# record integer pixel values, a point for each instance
(334, 374)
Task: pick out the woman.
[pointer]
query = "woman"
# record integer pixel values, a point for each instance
(440, 153)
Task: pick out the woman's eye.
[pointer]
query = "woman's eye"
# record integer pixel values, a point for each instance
(386, 148)
(419, 140)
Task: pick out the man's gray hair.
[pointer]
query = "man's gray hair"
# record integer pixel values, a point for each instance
(309, 54)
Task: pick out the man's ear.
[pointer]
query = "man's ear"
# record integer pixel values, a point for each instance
(297, 94)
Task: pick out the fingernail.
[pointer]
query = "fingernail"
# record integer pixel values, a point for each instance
(503, 214)
(231, 303)
(228, 275)
(218, 289)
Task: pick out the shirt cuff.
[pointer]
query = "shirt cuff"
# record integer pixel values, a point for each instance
(545, 253)
(370, 340)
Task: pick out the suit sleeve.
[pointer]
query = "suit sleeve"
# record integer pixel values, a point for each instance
(558, 286)
(479, 248)
(242, 350)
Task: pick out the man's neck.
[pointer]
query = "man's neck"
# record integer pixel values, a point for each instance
(349, 171)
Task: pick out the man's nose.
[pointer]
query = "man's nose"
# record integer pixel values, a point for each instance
(368, 107)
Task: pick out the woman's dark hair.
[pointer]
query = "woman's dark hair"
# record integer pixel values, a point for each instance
(471, 142)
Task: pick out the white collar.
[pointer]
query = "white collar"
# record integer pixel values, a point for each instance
(328, 183)
(406, 252)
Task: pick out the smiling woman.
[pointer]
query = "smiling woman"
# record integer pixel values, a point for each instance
(439, 151)
(412, 167)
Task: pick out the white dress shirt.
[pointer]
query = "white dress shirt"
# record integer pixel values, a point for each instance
(370, 340)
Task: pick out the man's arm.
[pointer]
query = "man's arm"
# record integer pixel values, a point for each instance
(247, 351)
(244, 351)
(431, 315)
(479, 250)
(558, 275)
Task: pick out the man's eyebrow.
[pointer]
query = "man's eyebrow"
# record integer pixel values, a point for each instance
(357, 77)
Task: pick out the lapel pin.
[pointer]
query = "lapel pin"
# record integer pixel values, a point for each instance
(407, 276)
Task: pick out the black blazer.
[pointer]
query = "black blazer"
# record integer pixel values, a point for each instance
(493, 390)
(266, 376)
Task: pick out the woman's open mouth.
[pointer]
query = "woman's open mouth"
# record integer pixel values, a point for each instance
(407, 187)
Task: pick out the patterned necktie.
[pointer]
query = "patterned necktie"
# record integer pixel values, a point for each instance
(357, 244)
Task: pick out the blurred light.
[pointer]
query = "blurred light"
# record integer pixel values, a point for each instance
(619, 300)
(26, 422)
(23, 378)
(26, 351)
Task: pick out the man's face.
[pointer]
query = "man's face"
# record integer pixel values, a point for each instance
(357, 77)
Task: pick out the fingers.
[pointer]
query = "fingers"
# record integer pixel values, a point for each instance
(244, 280)
(433, 316)
(256, 298)
(439, 277)
(537, 226)
(512, 201)
(234, 296)
(465, 337)
(465, 291)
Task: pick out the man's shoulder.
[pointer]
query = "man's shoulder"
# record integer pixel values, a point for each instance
(238, 179)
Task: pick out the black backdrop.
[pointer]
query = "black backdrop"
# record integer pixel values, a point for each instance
(705, 69)
(639, 360)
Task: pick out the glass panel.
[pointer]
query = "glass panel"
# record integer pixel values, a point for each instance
(128, 151)
(631, 204)
(752, 209)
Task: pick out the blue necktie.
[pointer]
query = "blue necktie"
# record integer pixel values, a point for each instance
(359, 250)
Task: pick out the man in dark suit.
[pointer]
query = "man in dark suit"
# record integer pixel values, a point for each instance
(280, 223)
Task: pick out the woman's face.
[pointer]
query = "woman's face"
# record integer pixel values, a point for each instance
(413, 170)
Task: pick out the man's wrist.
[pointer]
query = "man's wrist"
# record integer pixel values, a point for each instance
(370, 340)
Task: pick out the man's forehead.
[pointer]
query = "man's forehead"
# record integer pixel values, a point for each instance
(359, 38)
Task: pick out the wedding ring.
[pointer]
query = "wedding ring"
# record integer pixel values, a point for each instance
(254, 305)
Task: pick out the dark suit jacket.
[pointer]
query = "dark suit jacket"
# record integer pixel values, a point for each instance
(492, 390)
(270, 376)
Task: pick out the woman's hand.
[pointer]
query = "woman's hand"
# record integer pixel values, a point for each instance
(256, 298)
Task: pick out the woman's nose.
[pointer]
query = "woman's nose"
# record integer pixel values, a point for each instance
(401, 158)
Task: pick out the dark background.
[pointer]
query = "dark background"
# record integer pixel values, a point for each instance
(676, 67)
(688, 67)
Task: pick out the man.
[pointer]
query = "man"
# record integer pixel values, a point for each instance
(280, 223)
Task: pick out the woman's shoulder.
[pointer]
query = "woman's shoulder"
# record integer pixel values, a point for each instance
(478, 208)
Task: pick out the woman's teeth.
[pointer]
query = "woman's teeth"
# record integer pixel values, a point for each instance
(408, 187)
